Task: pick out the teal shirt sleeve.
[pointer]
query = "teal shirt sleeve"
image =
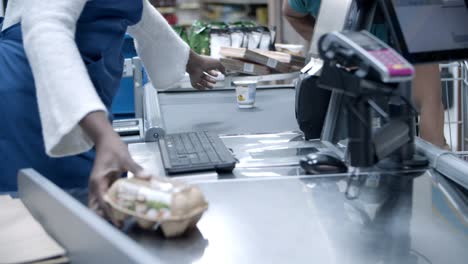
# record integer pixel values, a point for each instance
(305, 6)
(312, 7)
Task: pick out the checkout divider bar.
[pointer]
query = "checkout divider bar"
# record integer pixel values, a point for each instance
(445, 162)
(153, 122)
(85, 236)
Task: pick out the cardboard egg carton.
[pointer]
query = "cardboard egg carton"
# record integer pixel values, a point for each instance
(173, 206)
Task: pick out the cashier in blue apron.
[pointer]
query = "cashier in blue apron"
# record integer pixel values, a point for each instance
(427, 90)
(60, 66)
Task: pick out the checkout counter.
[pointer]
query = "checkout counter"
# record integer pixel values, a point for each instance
(271, 212)
(268, 210)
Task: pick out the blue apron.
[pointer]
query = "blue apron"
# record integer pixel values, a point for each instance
(99, 36)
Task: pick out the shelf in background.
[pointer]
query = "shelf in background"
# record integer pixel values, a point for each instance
(189, 6)
(166, 10)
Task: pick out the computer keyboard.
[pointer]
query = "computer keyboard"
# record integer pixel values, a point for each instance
(195, 151)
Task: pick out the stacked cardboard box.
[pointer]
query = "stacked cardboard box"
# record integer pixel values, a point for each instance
(259, 62)
(239, 66)
(293, 60)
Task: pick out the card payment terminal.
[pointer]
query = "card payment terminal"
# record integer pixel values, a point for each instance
(365, 49)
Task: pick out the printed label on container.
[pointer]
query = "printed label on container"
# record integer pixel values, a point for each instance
(272, 63)
(248, 67)
(246, 94)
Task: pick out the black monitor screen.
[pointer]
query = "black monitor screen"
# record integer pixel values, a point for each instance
(431, 30)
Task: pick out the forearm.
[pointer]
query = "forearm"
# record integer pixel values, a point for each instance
(190, 65)
(97, 126)
(304, 26)
(65, 93)
(163, 52)
(427, 84)
(427, 95)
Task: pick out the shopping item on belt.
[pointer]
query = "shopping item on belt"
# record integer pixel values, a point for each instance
(171, 205)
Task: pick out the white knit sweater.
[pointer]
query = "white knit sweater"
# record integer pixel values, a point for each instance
(65, 92)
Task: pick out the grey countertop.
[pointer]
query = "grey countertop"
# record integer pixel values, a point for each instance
(389, 219)
(217, 111)
(267, 211)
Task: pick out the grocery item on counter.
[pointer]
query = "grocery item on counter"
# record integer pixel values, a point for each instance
(199, 37)
(207, 38)
(245, 93)
(293, 60)
(238, 66)
(294, 49)
(170, 205)
(256, 57)
(180, 30)
(219, 37)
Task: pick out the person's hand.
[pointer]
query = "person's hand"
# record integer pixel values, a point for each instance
(112, 161)
(202, 70)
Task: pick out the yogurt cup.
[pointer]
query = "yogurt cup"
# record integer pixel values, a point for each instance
(245, 93)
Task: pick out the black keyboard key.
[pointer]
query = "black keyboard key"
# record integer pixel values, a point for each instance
(194, 158)
(172, 151)
(203, 158)
(204, 140)
(187, 144)
(196, 142)
(177, 162)
(179, 145)
(225, 155)
(213, 156)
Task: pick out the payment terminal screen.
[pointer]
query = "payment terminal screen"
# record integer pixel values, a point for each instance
(364, 41)
(433, 25)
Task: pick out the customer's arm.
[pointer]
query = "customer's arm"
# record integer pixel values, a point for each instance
(427, 95)
(302, 22)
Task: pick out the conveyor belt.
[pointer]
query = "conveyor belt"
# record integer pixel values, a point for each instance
(217, 111)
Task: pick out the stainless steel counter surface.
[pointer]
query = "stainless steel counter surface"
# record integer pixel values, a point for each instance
(258, 155)
(383, 219)
(217, 111)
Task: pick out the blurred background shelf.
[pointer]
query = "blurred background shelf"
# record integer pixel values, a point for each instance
(166, 10)
(189, 6)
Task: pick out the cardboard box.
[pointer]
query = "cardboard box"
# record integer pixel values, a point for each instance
(239, 66)
(292, 60)
(255, 57)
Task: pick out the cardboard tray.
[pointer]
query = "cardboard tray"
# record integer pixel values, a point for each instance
(171, 226)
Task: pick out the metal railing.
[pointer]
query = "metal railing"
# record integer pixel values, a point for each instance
(455, 94)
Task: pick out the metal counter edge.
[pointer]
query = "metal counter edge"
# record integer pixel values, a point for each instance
(86, 237)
